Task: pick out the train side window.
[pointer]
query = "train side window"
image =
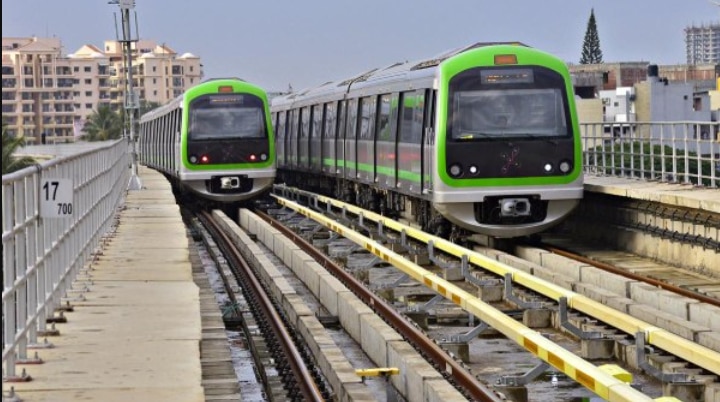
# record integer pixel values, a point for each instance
(367, 118)
(352, 116)
(383, 120)
(316, 121)
(412, 108)
(280, 125)
(288, 123)
(330, 122)
(293, 124)
(342, 115)
(304, 122)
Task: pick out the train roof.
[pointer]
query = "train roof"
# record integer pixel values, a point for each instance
(399, 69)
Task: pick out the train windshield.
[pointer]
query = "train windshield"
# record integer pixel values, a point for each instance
(503, 113)
(226, 116)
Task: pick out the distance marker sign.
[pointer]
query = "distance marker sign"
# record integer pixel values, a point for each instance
(56, 198)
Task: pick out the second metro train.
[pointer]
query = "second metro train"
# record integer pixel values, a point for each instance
(481, 139)
(215, 141)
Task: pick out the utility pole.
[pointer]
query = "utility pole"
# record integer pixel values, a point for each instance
(131, 99)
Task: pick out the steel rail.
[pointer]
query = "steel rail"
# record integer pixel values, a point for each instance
(306, 383)
(683, 348)
(428, 347)
(618, 271)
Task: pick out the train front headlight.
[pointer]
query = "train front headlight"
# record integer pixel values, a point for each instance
(565, 166)
(263, 157)
(455, 170)
(193, 159)
(548, 167)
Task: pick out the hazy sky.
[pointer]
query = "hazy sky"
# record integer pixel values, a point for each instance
(305, 43)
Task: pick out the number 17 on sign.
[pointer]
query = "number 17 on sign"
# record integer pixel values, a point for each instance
(56, 198)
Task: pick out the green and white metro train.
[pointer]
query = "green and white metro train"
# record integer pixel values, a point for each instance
(481, 139)
(215, 141)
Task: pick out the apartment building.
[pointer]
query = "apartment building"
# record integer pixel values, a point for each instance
(45, 91)
(702, 44)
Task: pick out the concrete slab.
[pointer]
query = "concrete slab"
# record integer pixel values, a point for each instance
(674, 194)
(137, 334)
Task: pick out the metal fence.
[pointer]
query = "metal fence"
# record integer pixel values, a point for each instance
(42, 255)
(674, 152)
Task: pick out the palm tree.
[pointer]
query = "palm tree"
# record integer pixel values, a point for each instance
(103, 124)
(10, 144)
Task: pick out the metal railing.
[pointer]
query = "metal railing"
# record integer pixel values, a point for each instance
(42, 255)
(685, 152)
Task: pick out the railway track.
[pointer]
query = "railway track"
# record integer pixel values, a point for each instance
(619, 327)
(299, 383)
(320, 358)
(459, 374)
(703, 288)
(445, 319)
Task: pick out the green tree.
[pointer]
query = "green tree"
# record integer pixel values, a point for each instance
(10, 144)
(591, 53)
(103, 124)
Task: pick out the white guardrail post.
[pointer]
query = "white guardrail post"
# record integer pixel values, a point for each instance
(54, 216)
(684, 152)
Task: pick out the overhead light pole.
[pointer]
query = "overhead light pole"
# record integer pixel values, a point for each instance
(130, 97)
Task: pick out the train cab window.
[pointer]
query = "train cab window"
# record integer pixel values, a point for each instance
(507, 103)
(504, 113)
(412, 107)
(227, 116)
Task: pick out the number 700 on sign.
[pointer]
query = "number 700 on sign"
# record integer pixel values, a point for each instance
(56, 198)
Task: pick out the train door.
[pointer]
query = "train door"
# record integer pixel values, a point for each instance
(386, 169)
(340, 144)
(304, 139)
(163, 140)
(328, 157)
(316, 127)
(428, 140)
(351, 140)
(366, 139)
(280, 138)
(292, 140)
(409, 149)
(173, 139)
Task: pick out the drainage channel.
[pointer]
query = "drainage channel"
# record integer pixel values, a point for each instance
(228, 368)
(272, 343)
